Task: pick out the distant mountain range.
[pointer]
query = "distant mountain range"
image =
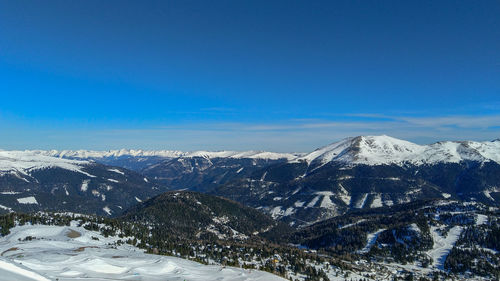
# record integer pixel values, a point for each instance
(383, 205)
(370, 150)
(298, 188)
(32, 182)
(90, 154)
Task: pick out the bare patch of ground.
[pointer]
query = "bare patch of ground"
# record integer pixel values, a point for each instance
(73, 234)
(8, 250)
(81, 249)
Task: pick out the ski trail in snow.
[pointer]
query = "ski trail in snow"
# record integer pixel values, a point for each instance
(362, 201)
(352, 224)
(371, 239)
(443, 245)
(263, 176)
(481, 219)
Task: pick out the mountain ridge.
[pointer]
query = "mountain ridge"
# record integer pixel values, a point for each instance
(354, 173)
(84, 154)
(369, 150)
(380, 150)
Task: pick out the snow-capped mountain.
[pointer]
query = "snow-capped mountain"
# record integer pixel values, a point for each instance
(370, 172)
(368, 150)
(140, 160)
(23, 162)
(90, 154)
(354, 173)
(348, 187)
(385, 150)
(32, 182)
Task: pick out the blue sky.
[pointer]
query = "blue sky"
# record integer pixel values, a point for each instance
(273, 75)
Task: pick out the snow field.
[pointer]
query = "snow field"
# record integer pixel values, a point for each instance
(53, 255)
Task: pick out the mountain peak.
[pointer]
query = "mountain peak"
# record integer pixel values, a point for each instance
(364, 149)
(385, 150)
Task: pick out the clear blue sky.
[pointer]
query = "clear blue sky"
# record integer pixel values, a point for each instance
(274, 75)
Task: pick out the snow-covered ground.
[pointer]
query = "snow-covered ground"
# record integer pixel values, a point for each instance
(313, 202)
(481, 219)
(73, 253)
(327, 201)
(352, 224)
(443, 245)
(377, 201)
(371, 239)
(361, 201)
(344, 195)
(27, 200)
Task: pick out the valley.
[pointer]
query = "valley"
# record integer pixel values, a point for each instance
(364, 208)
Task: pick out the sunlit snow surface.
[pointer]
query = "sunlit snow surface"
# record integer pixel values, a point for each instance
(53, 255)
(377, 150)
(443, 244)
(25, 161)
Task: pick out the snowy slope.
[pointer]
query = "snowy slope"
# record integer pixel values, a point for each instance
(31, 182)
(23, 162)
(443, 245)
(379, 150)
(13, 271)
(370, 241)
(54, 255)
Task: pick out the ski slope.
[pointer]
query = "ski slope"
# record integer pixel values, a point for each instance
(370, 241)
(443, 245)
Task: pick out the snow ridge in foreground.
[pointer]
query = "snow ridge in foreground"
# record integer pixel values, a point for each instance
(54, 255)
